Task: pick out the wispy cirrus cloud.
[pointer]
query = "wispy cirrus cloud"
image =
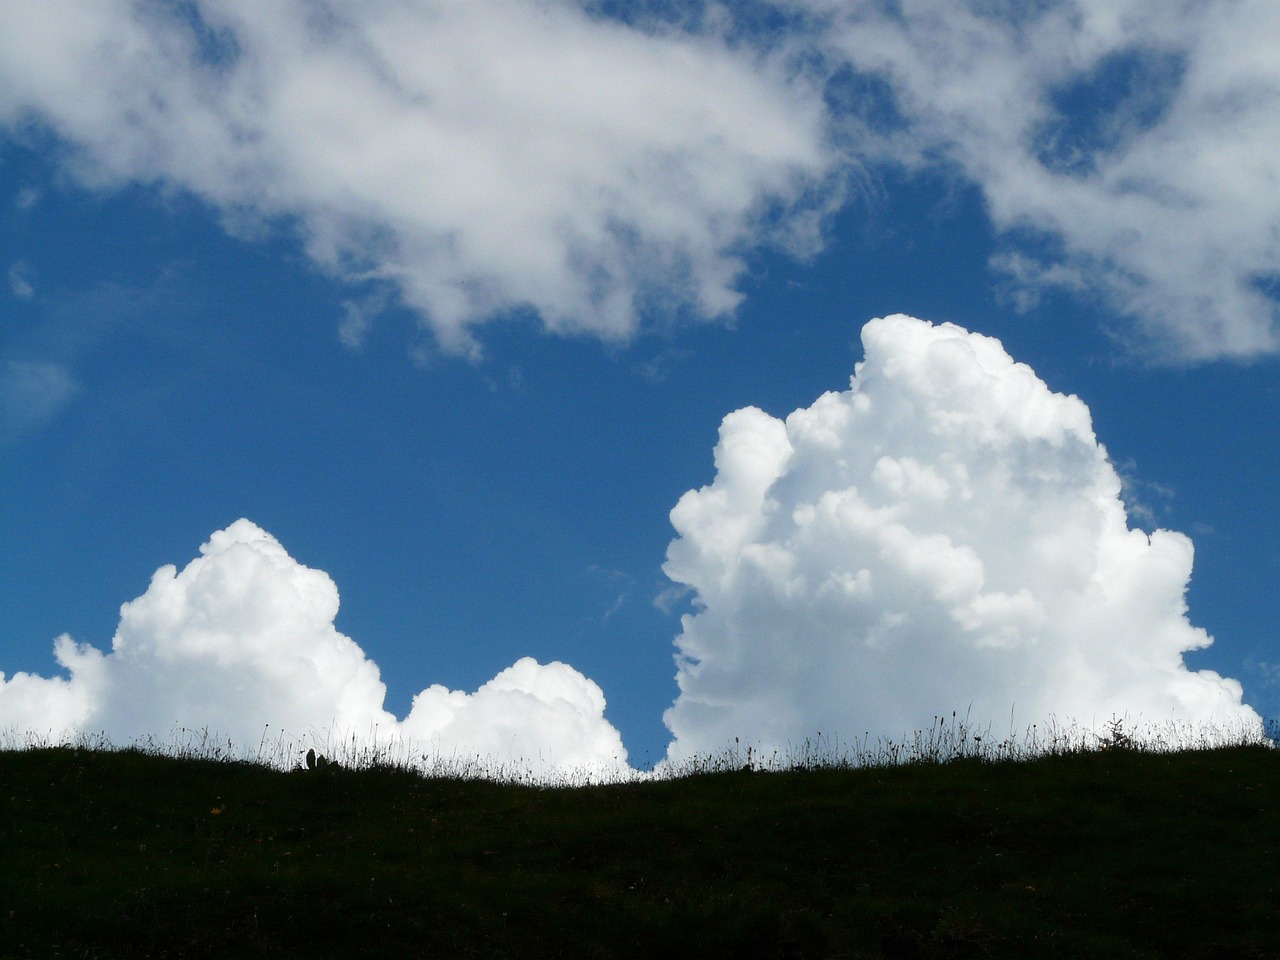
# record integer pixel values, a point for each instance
(21, 280)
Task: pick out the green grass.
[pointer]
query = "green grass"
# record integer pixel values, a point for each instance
(1112, 853)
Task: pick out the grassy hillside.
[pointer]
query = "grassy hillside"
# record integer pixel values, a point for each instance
(1117, 853)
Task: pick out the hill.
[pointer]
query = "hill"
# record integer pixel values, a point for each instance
(1118, 853)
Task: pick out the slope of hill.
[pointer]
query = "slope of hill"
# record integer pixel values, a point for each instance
(1116, 853)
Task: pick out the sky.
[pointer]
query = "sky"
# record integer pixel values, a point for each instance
(589, 383)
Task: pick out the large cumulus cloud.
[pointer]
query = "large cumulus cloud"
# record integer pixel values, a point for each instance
(477, 157)
(242, 639)
(947, 534)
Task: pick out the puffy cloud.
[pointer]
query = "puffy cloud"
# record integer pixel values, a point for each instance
(947, 534)
(480, 157)
(243, 637)
(1136, 140)
(552, 716)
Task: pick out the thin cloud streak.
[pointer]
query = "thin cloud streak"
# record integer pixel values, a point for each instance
(20, 280)
(32, 393)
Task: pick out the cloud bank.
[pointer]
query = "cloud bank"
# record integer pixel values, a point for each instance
(243, 637)
(947, 534)
(513, 155)
(479, 158)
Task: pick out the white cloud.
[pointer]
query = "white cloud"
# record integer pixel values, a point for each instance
(31, 394)
(243, 637)
(945, 535)
(1138, 139)
(490, 157)
(482, 157)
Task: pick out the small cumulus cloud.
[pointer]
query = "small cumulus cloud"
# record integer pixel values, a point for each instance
(243, 637)
(31, 394)
(947, 534)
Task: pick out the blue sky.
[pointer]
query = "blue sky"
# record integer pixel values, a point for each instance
(481, 444)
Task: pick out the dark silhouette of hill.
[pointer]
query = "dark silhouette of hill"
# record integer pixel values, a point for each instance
(1117, 853)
